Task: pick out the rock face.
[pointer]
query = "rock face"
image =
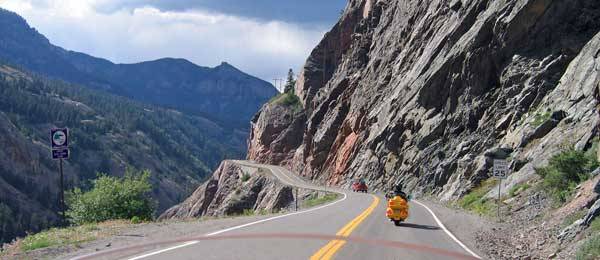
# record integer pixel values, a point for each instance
(276, 130)
(418, 92)
(231, 190)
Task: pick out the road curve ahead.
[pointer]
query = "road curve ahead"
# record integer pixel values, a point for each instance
(353, 227)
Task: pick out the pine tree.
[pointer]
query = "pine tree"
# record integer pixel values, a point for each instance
(291, 82)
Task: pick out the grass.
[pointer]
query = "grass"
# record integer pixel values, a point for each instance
(590, 249)
(571, 218)
(540, 118)
(315, 199)
(245, 177)
(595, 225)
(515, 190)
(67, 236)
(475, 201)
(288, 100)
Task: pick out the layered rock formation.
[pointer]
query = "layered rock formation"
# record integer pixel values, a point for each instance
(232, 190)
(418, 91)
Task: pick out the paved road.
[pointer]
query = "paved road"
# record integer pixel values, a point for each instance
(311, 234)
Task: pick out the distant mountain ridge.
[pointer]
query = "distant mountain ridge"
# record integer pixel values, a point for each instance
(223, 94)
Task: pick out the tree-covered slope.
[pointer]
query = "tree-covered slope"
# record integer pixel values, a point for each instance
(223, 94)
(108, 132)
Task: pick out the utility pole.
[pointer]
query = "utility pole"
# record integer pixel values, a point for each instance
(278, 86)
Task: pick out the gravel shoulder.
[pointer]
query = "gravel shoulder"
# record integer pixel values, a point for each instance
(464, 225)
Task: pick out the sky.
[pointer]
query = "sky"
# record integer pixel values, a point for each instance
(261, 37)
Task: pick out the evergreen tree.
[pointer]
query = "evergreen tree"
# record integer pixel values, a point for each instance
(290, 83)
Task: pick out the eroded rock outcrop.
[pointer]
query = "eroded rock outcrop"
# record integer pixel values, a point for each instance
(419, 91)
(233, 189)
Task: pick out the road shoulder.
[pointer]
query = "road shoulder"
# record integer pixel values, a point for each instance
(464, 225)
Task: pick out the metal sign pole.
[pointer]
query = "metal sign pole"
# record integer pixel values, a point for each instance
(62, 193)
(499, 192)
(296, 199)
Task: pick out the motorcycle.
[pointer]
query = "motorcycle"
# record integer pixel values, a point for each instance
(397, 209)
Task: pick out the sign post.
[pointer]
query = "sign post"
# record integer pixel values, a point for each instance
(296, 199)
(59, 139)
(500, 172)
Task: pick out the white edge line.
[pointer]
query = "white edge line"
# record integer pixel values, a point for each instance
(447, 231)
(238, 227)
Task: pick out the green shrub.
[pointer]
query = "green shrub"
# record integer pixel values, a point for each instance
(475, 201)
(540, 118)
(518, 188)
(112, 198)
(590, 250)
(288, 100)
(564, 171)
(245, 177)
(136, 220)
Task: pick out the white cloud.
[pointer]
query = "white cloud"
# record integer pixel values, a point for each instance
(262, 48)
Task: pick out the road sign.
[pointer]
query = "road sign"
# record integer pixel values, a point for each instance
(500, 168)
(60, 154)
(59, 138)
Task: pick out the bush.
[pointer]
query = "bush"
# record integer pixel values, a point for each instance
(245, 177)
(515, 190)
(288, 100)
(590, 249)
(112, 198)
(540, 118)
(475, 201)
(564, 171)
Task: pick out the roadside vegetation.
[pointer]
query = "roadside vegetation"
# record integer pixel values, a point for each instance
(565, 171)
(476, 202)
(571, 218)
(315, 199)
(74, 235)
(590, 250)
(113, 198)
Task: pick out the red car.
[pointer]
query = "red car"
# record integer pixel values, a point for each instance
(359, 186)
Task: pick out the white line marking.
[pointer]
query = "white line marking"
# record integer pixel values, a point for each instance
(447, 231)
(237, 227)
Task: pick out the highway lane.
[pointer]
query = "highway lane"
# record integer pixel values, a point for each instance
(296, 236)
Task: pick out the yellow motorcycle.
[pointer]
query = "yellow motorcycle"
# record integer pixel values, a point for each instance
(397, 209)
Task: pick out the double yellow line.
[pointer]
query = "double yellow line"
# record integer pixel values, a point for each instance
(333, 246)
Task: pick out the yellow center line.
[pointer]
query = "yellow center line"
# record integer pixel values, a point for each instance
(333, 246)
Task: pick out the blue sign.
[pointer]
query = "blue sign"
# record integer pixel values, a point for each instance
(60, 154)
(59, 138)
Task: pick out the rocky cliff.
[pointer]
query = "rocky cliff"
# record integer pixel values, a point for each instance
(418, 92)
(234, 189)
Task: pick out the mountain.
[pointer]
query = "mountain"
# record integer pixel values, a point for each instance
(223, 94)
(426, 94)
(108, 134)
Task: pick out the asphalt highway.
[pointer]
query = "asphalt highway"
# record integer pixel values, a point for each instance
(353, 227)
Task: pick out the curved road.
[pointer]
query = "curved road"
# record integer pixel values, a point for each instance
(357, 218)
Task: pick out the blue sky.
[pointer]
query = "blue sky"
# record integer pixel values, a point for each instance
(261, 37)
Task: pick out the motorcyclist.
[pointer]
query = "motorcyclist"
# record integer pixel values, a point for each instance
(398, 192)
